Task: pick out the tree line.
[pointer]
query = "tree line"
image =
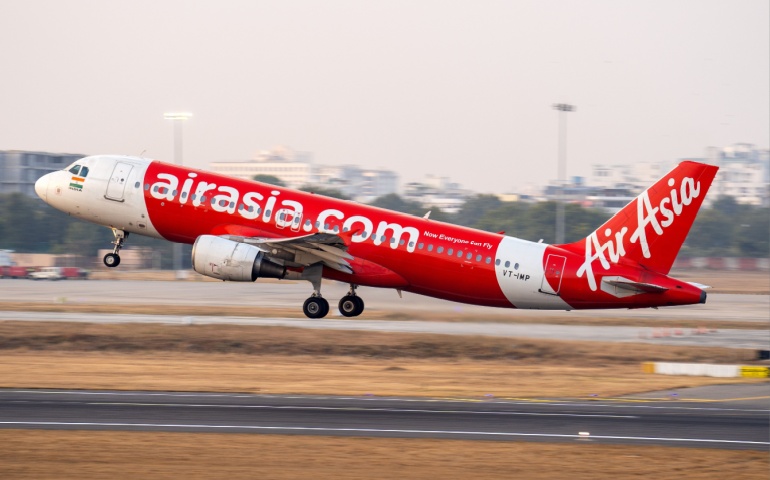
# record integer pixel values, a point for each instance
(725, 229)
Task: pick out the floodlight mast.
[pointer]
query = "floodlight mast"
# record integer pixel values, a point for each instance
(178, 118)
(563, 109)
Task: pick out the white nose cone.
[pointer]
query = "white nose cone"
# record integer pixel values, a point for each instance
(41, 186)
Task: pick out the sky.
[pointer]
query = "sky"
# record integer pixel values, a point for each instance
(461, 89)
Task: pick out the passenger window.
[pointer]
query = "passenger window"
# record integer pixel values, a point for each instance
(459, 254)
(507, 264)
(75, 169)
(146, 186)
(497, 262)
(136, 185)
(84, 171)
(420, 245)
(488, 260)
(430, 247)
(440, 250)
(411, 244)
(401, 242)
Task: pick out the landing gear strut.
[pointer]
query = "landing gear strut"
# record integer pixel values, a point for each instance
(351, 305)
(112, 260)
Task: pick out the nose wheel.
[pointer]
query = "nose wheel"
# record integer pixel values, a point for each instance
(112, 260)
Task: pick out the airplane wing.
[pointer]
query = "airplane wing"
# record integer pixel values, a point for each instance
(326, 248)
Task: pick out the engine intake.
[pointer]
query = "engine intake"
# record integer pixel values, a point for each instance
(224, 259)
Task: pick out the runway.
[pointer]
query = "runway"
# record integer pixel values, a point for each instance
(722, 425)
(747, 308)
(283, 294)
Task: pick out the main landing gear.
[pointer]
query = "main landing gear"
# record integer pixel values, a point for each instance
(351, 305)
(112, 260)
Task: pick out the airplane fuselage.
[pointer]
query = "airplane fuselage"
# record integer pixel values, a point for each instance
(388, 249)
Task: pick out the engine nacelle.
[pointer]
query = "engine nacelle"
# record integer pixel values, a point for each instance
(227, 260)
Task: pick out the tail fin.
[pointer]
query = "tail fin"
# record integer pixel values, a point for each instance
(651, 229)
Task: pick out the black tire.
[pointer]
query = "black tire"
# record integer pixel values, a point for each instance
(351, 306)
(315, 307)
(112, 260)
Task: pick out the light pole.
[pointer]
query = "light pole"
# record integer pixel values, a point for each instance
(563, 109)
(178, 118)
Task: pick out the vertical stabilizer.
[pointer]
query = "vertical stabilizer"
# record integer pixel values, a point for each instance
(651, 229)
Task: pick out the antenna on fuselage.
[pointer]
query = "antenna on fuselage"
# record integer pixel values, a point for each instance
(142, 154)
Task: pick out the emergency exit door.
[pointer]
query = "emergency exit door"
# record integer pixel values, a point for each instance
(554, 270)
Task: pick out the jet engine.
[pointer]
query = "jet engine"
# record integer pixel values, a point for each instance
(227, 260)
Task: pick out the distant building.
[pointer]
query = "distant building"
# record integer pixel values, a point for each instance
(19, 170)
(634, 177)
(744, 173)
(296, 170)
(437, 192)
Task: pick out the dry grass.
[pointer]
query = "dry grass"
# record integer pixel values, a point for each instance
(29, 454)
(287, 360)
(337, 375)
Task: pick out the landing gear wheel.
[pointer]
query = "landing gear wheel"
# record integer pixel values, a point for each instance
(351, 306)
(112, 260)
(315, 307)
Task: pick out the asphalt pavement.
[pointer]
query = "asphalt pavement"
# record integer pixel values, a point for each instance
(722, 424)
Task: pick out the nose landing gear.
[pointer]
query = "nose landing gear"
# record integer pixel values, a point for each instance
(112, 260)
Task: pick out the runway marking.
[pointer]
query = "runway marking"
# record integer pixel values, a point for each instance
(377, 430)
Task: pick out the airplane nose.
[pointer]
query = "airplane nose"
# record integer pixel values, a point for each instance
(41, 186)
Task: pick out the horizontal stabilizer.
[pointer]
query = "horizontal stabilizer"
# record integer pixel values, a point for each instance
(623, 287)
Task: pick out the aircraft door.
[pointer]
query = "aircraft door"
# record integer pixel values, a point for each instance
(116, 187)
(554, 268)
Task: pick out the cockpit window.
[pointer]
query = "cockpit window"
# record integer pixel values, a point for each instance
(79, 170)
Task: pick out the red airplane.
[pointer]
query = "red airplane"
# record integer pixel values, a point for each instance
(242, 230)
